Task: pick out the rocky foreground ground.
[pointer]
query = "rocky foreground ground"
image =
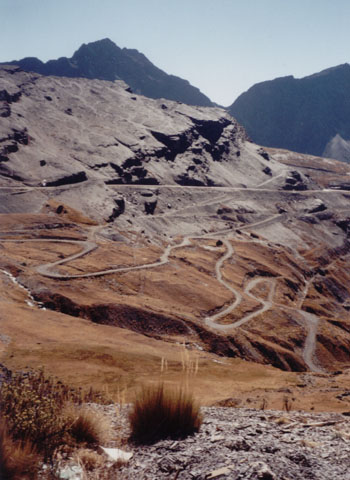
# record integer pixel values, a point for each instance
(246, 444)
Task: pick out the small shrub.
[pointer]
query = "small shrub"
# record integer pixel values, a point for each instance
(18, 460)
(32, 406)
(161, 412)
(87, 425)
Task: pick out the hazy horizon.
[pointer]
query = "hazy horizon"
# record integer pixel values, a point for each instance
(223, 48)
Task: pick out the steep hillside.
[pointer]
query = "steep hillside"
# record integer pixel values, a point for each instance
(137, 234)
(104, 60)
(303, 115)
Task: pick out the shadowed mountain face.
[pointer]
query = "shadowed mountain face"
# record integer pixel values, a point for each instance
(104, 60)
(303, 115)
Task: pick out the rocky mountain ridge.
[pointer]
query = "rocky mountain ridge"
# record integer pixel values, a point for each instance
(313, 119)
(104, 60)
(143, 142)
(304, 115)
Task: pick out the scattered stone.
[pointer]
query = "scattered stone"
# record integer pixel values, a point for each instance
(150, 207)
(295, 181)
(116, 454)
(71, 472)
(239, 454)
(59, 209)
(316, 205)
(220, 471)
(263, 153)
(262, 471)
(267, 171)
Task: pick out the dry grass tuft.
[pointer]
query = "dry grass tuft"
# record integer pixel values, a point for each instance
(283, 421)
(89, 459)
(18, 460)
(161, 412)
(309, 443)
(229, 402)
(87, 426)
(287, 403)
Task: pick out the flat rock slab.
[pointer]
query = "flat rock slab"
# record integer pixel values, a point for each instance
(116, 454)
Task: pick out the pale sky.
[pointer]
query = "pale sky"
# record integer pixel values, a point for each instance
(222, 47)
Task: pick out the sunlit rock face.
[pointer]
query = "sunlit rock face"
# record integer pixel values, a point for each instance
(338, 148)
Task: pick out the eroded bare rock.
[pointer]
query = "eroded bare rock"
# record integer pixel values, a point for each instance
(247, 444)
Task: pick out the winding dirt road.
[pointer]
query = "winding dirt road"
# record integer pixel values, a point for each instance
(211, 321)
(310, 321)
(87, 246)
(310, 342)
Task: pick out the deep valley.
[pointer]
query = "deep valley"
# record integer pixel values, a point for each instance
(141, 239)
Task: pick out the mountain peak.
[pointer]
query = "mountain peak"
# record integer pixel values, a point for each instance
(104, 43)
(104, 60)
(100, 50)
(344, 67)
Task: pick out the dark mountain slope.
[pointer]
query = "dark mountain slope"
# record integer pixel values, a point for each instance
(298, 114)
(104, 60)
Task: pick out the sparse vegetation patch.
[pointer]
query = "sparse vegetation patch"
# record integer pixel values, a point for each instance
(41, 411)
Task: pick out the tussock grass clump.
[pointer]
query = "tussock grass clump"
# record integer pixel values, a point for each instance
(87, 426)
(161, 412)
(18, 460)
